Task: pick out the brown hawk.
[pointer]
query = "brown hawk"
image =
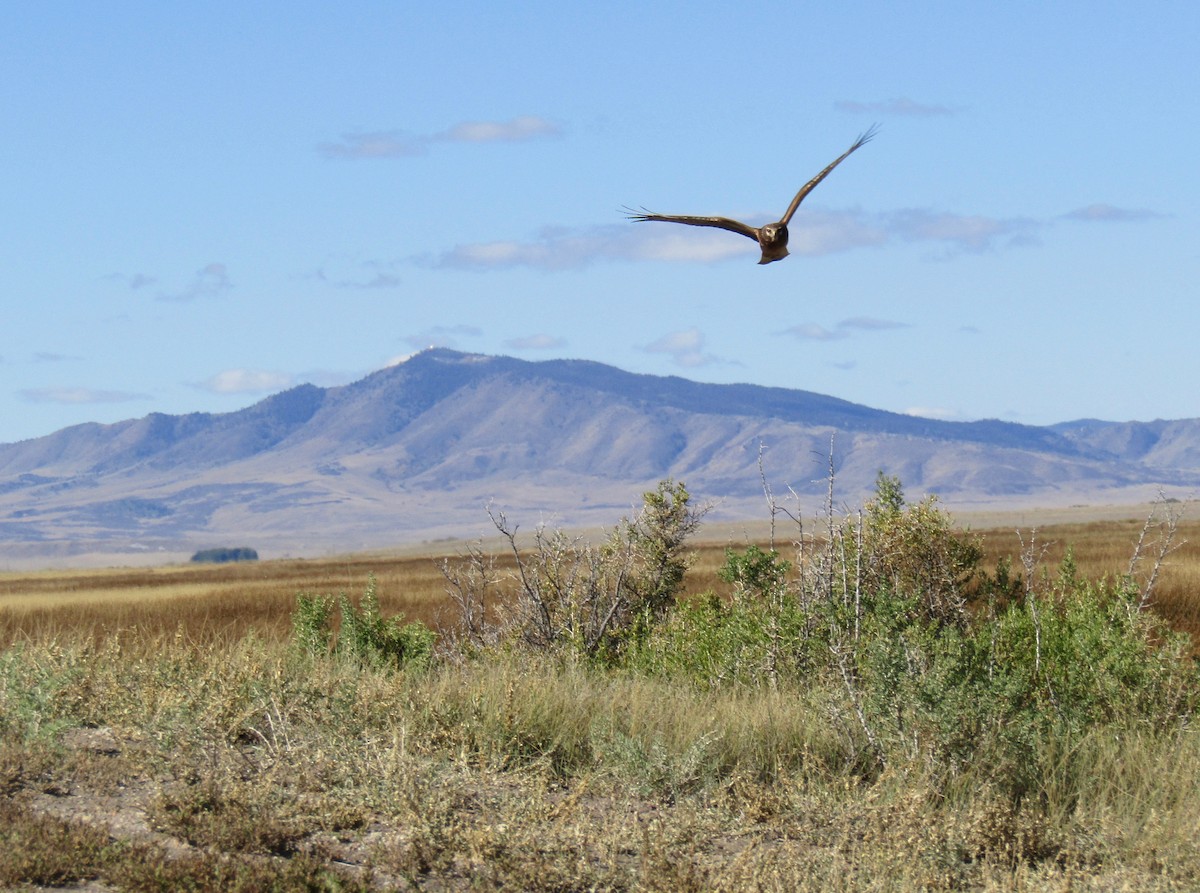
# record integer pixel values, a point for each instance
(773, 237)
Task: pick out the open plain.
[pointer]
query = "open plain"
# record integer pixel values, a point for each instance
(161, 731)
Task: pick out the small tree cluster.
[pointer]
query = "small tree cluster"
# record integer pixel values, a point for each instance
(224, 554)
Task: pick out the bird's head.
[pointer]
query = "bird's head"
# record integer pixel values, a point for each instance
(773, 239)
(773, 235)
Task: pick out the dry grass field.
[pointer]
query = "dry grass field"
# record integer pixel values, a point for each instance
(223, 602)
(160, 731)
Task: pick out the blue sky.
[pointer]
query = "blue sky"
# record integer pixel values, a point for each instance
(203, 204)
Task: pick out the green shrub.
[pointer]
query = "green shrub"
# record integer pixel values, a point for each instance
(311, 620)
(365, 636)
(763, 633)
(878, 610)
(1005, 692)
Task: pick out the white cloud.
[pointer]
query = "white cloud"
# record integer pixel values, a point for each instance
(523, 127)
(686, 348)
(871, 324)
(379, 144)
(817, 233)
(247, 381)
(965, 232)
(1105, 213)
(933, 412)
(79, 395)
(811, 331)
(567, 248)
(399, 144)
(539, 341)
(813, 233)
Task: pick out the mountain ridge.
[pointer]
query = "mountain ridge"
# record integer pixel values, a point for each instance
(416, 450)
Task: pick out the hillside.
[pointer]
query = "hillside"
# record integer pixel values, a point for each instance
(418, 450)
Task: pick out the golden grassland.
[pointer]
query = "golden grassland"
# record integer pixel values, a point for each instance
(160, 733)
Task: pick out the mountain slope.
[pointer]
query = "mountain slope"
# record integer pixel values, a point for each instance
(417, 450)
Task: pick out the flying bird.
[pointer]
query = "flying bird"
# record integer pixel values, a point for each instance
(773, 237)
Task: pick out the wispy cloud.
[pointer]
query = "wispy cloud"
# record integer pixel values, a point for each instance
(378, 144)
(371, 279)
(570, 248)
(1104, 213)
(820, 233)
(811, 331)
(871, 324)
(43, 356)
(246, 381)
(79, 395)
(899, 106)
(440, 336)
(358, 274)
(539, 341)
(133, 280)
(567, 248)
(401, 144)
(210, 280)
(523, 127)
(817, 234)
(685, 348)
(813, 233)
(933, 412)
(973, 233)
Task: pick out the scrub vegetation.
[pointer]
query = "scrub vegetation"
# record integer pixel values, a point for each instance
(871, 700)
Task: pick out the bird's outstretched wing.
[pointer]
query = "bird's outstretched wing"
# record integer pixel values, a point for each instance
(812, 184)
(734, 226)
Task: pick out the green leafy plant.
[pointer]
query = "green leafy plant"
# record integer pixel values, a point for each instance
(365, 636)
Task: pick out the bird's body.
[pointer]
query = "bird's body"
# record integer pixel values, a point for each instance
(773, 237)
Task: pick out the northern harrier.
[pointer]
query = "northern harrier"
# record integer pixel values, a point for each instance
(773, 237)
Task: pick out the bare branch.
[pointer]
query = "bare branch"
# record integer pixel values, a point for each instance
(1168, 528)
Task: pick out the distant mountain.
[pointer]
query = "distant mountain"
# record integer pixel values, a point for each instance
(416, 451)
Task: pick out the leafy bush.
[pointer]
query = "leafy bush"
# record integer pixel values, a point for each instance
(1020, 686)
(879, 611)
(365, 637)
(764, 632)
(914, 551)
